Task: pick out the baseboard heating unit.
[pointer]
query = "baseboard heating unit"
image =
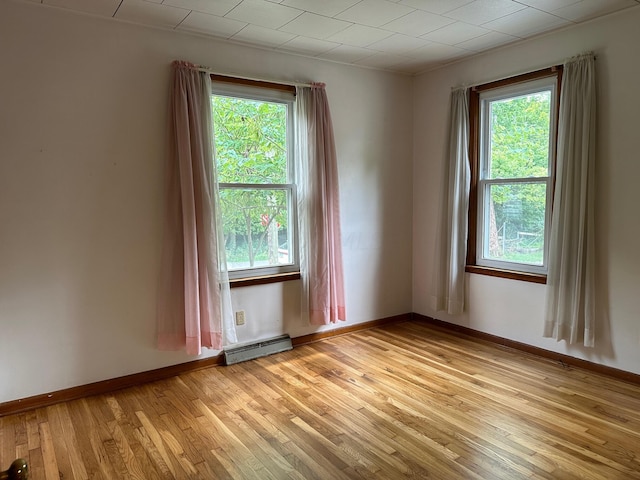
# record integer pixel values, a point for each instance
(262, 348)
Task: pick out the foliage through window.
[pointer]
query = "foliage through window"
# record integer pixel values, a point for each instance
(513, 151)
(253, 131)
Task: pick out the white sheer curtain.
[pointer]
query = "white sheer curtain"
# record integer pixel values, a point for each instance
(570, 280)
(194, 300)
(318, 209)
(451, 243)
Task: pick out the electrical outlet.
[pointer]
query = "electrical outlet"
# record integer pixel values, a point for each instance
(240, 317)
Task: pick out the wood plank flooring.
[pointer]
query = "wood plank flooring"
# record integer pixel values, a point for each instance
(407, 400)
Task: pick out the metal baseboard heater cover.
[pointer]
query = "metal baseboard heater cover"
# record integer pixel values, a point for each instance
(259, 349)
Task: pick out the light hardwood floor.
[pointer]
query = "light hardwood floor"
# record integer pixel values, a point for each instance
(402, 401)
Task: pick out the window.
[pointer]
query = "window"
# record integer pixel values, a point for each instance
(253, 131)
(513, 143)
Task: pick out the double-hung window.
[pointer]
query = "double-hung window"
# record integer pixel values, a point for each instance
(513, 143)
(253, 132)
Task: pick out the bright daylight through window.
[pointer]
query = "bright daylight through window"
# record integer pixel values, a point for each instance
(515, 161)
(253, 131)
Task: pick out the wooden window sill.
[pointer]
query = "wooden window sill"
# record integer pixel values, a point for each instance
(513, 275)
(250, 281)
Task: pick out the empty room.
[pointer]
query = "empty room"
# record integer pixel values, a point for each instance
(319, 239)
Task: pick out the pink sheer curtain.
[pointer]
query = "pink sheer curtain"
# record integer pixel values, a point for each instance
(192, 284)
(319, 209)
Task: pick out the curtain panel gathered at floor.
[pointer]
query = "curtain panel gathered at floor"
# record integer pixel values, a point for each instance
(447, 290)
(318, 209)
(570, 309)
(194, 300)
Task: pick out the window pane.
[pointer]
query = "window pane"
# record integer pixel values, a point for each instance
(256, 227)
(250, 140)
(514, 224)
(519, 136)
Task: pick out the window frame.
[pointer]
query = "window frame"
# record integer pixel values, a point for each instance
(275, 93)
(506, 269)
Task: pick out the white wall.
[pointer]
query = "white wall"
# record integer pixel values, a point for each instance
(514, 309)
(82, 137)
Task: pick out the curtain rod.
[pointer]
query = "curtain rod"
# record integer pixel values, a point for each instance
(208, 70)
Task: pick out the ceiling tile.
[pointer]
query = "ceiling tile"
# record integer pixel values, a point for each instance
(548, 5)
(329, 8)
(347, 54)
(150, 13)
(308, 46)
(436, 52)
(211, 24)
(374, 12)
(485, 42)
(263, 13)
(105, 8)
(455, 33)
(435, 6)
(264, 37)
(587, 9)
(359, 35)
(483, 11)
(315, 26)
(218, 7)
(398, 43)
(417, 23)
(403, 35)
(526, 22)
(381, 60)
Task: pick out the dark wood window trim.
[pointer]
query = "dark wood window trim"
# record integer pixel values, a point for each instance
(474, 160)
(253, 83)
(511, 274)
(264, 280)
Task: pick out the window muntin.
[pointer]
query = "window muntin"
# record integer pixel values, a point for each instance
(253, 136)
(517, 125)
